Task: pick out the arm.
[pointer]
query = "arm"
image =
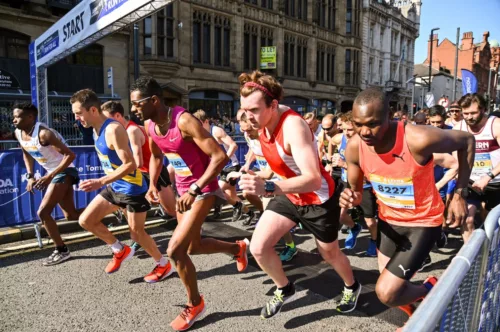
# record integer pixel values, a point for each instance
(446, 160)
(136, 141)
(321, 144)
(351, 197)
(266, 174)
(496, 133)
(29, 163)
(226, 139)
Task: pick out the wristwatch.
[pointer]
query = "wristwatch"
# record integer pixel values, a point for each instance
(462, 192)
(195, 189)
(30, 176)
(270, 187)
(491, 175)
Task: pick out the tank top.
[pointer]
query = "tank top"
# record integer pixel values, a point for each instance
(132, 184)
(254, 146)
(487, 150)
(233, 161)
(47, 156)
(343, 176)
(188, 160)
(146, 152)
(284, 167)
(406, 191)
(227, 127)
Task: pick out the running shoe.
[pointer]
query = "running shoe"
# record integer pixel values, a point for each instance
(288, 253)
(135, 246)
(118, 258)
(351, 239)
(408, 309)
(217, 210)
(188, 316)
(426, 263)
(372, 249)
(249, 217)
(443, 240)
(273, 307)
(159, 273)
(349, 300)
(242, 257)
(237, 212)
(56, 257)
(344, 229)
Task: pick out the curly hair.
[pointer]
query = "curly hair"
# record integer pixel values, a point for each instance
(268, 82)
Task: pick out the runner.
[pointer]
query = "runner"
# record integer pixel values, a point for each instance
(227, 185)
(125, 187)
(455, 115)
(328, 130)
(437, 117)
(313, 123)
(397, 159)
(39, 142)
(197, 160)
(486, 172)
(303, 195)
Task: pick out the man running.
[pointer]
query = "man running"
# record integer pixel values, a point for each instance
(313, 123)
(397, 159)
(197, 159)
(125, 187)
(328, 130)
(486, 171)
(227, 185)
(39, 142)
(304, 193)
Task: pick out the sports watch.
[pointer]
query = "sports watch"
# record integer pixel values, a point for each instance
(462, 192)
(194, 189)
(270, 187)
(491, 175)
(30, 176)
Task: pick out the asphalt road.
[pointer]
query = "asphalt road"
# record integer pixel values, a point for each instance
(78, 295)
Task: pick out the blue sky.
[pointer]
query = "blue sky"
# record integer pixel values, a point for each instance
(477, 16)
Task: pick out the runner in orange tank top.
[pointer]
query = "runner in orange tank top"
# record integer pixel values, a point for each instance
(397, 159)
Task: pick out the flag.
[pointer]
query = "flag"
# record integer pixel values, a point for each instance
(429, 99)
(469, 82)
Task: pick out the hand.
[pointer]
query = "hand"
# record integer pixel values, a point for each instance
(234, 175)
(43, 182)
(457, 212)
(245, 168)
(29, 186)
(349, 199)
(185, 202)
(335, 160)
(341, 163)
(480, 184)
(252, 184)
(152, 195)
(328, 168)
(90, 185)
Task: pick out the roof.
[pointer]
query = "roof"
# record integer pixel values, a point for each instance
(422, 70)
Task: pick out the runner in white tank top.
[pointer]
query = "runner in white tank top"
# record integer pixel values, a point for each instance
(39, 142)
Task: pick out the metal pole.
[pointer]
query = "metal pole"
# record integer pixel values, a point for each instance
(456, 68)
(489, 88)
(423, 98)
(136, 51)
(412, 98)
(430, 57)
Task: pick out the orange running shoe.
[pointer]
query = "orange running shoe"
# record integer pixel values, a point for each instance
(188, 316)
(242, 257)
(118, 258)
(408, 309)
(159, 273)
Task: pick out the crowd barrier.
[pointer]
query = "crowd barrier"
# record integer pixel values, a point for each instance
(467, 296)
(18, 207)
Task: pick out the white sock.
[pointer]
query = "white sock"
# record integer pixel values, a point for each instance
(116, 247)
(162, 262)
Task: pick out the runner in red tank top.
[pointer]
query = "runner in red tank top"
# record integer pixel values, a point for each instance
(397, 159)
(303, 195)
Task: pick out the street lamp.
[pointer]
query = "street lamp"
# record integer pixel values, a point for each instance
(430, 57)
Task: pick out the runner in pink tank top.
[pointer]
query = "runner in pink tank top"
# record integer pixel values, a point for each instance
(197, 160)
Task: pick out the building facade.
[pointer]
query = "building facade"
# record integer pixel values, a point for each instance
(441, 84)
(389, 32)
(197, 50)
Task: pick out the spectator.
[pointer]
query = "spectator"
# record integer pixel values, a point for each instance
(237, 129)
(87, 133)
(228, 126)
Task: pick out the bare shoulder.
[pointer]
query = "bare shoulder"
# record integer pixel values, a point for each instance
(496, 128)
(186, 120)
(337, 139)
(293, 123)
(146, 126)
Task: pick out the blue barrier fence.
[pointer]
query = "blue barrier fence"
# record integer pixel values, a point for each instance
(18, 207)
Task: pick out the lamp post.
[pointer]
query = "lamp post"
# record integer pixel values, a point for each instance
(430, 57)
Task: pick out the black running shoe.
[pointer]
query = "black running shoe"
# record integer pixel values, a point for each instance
(237, 212)
(56, 257)
(349, 300)
(344, 229)
(426, 263)
(273, 307)
(217, 209)
(443, 240)
(249, 217)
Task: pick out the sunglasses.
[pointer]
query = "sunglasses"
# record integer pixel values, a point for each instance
(327, 129)
(454, 111)
(137, 103)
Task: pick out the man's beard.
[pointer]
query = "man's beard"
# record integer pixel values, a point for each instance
(473, 122)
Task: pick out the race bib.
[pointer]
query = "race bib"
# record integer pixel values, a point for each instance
(179, 164)
(262, 162)
(33, 151)
(396, 193)
(105, 163)
(482, 163)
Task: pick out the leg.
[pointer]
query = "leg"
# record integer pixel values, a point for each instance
(136, 222)
(67, 204)
(90, 219)
(394, 291)
(255, 201)
(337, 259)
(468, 226)
(167, 200)
(346, 219)
(171, 173)
(271, 227)
(372, 227)
(288, 237)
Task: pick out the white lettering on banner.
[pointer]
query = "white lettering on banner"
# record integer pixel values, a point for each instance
(73, 27)
(7, 187)
(94, 168)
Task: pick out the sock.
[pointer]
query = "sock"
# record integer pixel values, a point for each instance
(373, 240)
(287, 289)
(116, 247)
(62, 248)
(162, 262)
(354, 286)
(291, 245)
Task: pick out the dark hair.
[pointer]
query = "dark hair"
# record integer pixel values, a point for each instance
(369, 96)
(27, 107)
(113, 107)
(87, 98)
(148, 87)
(269, 83)
(470, 98)
(437, 110)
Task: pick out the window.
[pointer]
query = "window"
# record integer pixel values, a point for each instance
(295, 56)
(380, 71)
(348, 17)
(14, 45)
(266, 36)
(325, 14)
(408, 77)
(347, 67)
(372, 36)
(331, 14)
(251, 33)
(222, 41)
(165, 32)
(148, 30)
(382, 38)
(253, 2)
(355, 67)
(296, 8)
(370, 70)
(267, 4)
(211, 31)
(357, 19)
(206, 42)
(325, 67)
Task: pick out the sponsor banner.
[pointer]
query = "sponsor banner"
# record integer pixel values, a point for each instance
(8, 80)
(84, 20)
(33, 82)
(469, 82)
(268, 57)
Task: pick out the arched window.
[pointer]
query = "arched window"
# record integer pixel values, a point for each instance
(13, 45)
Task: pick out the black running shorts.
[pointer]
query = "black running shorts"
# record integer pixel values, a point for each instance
(133, 203)
(368, 202)
(490, 196)
(163, 179)
(321, 220)
(407, 247)
(226, 171)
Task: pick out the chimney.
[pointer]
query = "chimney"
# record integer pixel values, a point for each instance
(485, 36)
(467, 41)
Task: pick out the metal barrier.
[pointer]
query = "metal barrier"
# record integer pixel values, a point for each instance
(467, 296)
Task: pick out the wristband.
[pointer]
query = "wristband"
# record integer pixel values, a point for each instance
(491, 175)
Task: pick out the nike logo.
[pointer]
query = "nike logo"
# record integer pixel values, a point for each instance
(173, 139)
(404, 271)
(397, 156)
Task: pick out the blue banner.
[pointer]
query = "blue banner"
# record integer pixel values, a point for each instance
(33, 84)
(469, 82)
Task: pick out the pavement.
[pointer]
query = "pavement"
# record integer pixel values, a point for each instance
(79, 296)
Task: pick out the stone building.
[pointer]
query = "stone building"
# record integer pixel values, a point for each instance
(389, 32)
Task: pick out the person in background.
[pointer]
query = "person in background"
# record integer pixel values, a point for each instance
(455, 115)
(87, 133)
(227, 125)
(313, 123)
